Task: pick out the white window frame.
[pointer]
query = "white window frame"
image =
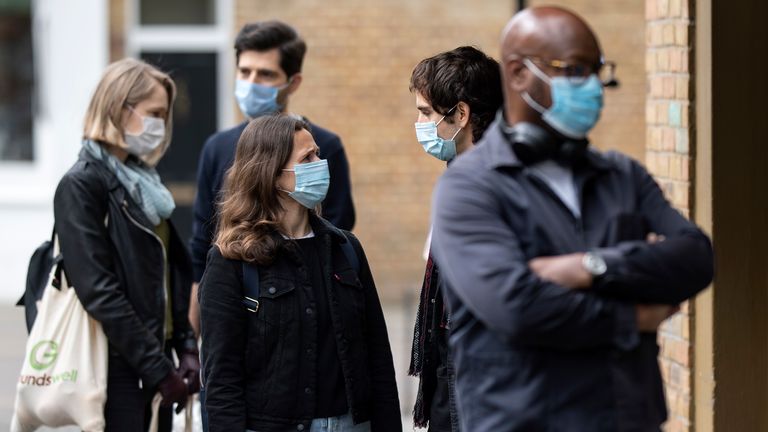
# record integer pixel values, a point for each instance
(68, 61)
(217, 37)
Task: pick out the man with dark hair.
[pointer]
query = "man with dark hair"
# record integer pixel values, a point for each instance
(457, 95)
(561, 261)
(269, 57)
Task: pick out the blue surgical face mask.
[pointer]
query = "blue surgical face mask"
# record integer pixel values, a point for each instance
(312, 181)
(256, 100)
(426, 134)
(575, 106)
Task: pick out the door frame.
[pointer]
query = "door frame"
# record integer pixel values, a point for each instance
(216, 38)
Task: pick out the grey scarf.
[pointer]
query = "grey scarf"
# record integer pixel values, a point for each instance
(142, 183)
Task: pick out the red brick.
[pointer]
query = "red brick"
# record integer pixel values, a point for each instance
(684, 118)
(682, 84)
(675, 61)
(662, 8)
(668, 90)
(669, 34)
(663, 60)
(668, 139)
(650, 10)
(675, 8)
(681, 34)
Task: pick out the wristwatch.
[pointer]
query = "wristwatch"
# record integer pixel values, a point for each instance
(594, 264)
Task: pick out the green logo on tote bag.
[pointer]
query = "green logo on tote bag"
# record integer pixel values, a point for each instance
(43, 355)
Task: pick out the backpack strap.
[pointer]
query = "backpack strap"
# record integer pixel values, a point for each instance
(251, 287)
(349, 252)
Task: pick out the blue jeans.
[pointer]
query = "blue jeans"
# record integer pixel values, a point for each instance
(337, 424)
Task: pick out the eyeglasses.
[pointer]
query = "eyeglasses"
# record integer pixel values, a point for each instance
(575, 72)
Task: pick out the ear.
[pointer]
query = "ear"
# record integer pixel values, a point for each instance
(518, 76)
(462, 114)
(295, 83)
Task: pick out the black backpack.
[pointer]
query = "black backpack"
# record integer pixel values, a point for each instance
(40, 266)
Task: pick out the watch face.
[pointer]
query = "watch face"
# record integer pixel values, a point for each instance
(595, 264)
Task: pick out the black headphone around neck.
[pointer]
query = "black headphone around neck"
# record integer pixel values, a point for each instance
(532, 144)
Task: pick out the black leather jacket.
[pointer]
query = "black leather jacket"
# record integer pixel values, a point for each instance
(260, 368)
(117, 268)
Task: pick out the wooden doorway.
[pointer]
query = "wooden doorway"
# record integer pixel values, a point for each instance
(731, 321)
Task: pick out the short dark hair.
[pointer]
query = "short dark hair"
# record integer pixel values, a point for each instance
(464, 74)
(266, 35)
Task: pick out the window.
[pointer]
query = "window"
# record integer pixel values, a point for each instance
(177, 12)
(16, 78)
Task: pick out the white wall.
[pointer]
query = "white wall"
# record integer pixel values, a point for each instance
(70, 51)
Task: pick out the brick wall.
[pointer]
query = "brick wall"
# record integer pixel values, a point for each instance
(359, 61)
(669, 135)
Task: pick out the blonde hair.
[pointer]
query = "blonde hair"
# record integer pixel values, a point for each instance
(125, 83)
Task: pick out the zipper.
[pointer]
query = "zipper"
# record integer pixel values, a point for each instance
(165, 259)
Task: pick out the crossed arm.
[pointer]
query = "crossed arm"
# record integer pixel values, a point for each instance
(553, 301)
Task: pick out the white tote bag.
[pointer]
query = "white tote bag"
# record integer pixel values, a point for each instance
(64, 377)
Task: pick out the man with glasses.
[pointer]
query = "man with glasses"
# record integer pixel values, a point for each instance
(560, 261)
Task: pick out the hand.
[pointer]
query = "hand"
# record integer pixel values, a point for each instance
(650, 317)
(564, 270)
(174, 390)
(189, 369)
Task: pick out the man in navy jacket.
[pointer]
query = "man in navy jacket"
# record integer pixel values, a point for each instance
(269, 58)
(561, 261)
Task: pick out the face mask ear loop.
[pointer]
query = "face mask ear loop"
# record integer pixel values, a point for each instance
(143, 126)
(457, 132)
(540, 75)
(532, 103)
(446, 114)
(536, 71)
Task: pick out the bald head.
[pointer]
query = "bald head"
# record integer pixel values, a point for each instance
(546, 35)
(550, 33)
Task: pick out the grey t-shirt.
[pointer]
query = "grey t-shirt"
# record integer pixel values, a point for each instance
(560, 180)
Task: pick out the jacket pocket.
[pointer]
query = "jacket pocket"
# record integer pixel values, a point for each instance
(277, 302)
(351, 298)
(348, 278)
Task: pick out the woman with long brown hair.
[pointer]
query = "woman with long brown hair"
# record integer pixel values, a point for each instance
(311, 352)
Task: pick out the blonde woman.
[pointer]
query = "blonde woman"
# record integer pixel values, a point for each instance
(121, 253)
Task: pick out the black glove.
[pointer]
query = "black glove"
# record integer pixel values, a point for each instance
(189, 369)
(174, 390)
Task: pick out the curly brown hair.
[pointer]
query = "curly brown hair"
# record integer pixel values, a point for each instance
(249, 208)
